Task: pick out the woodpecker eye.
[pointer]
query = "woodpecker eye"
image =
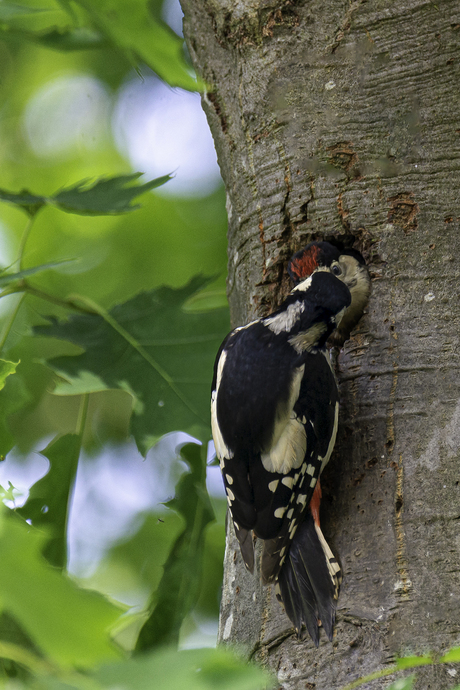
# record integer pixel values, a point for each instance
(336, 270)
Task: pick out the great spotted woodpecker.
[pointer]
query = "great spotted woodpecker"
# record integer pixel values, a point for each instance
(345, 263)
(274, 412)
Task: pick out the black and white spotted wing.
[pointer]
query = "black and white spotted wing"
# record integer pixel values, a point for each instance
(317, 409)
(267, 495)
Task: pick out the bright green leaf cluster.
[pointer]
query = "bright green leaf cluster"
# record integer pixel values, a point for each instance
(152, 348)
(125, 347)
(37, 595)
(179, 587)
(105, 196)
(132, 28)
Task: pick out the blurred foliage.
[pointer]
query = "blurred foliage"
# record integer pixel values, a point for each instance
(104, 313)
(179, 587)
(111, 297)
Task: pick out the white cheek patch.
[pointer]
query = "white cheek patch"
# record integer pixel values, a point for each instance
(306, 341)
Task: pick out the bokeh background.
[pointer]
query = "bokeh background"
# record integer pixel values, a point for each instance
(81, 114)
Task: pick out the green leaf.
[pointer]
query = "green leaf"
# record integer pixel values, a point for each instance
(104, 196)
(64, 39)
(10, 11)
(150, 347)
(451, 656)
(49, 498)
(14, 396)
(135, 29)
(9, 493)
(413, 661)
(70, 625)
(180, 585)
(6, 369)
(7, 278)
(193, 669)
(28, 202)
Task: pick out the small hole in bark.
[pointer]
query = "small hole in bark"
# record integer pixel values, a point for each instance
(399, 503)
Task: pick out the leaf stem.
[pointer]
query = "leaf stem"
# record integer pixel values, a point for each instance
(81, 422)
(24, 238)
(26, 287)
(371, 676)
(14, 313)
(25, 658)
(82, 414)
(94, 307)
(42, 668)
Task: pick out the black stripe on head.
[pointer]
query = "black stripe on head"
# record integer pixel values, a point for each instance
(317, 254)
(311, 257)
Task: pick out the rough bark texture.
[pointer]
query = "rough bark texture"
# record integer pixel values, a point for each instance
(340, 119)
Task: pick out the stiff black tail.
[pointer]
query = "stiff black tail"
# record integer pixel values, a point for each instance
(309, 581)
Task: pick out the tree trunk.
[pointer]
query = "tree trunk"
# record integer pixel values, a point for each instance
(340, 119)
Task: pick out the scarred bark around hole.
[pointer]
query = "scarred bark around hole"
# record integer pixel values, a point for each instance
(339, 120)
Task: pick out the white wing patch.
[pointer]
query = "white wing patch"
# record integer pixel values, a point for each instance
(289, 451)
(289, 442)
(331, 445)
(222, 450)
(286, 320)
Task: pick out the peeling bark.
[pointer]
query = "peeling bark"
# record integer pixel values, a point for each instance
(339, 119)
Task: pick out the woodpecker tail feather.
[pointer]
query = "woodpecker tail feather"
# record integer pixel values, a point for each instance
(244, 537)
(309, 581)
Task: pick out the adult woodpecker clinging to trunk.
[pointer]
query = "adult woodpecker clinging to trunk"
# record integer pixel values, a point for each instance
(274, 413)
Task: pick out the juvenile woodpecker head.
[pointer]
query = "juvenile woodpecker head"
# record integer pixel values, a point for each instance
(346, 264)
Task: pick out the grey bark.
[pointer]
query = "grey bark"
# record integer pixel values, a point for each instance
(341, 119)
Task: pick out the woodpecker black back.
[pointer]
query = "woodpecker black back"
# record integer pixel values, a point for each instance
(274, 410)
